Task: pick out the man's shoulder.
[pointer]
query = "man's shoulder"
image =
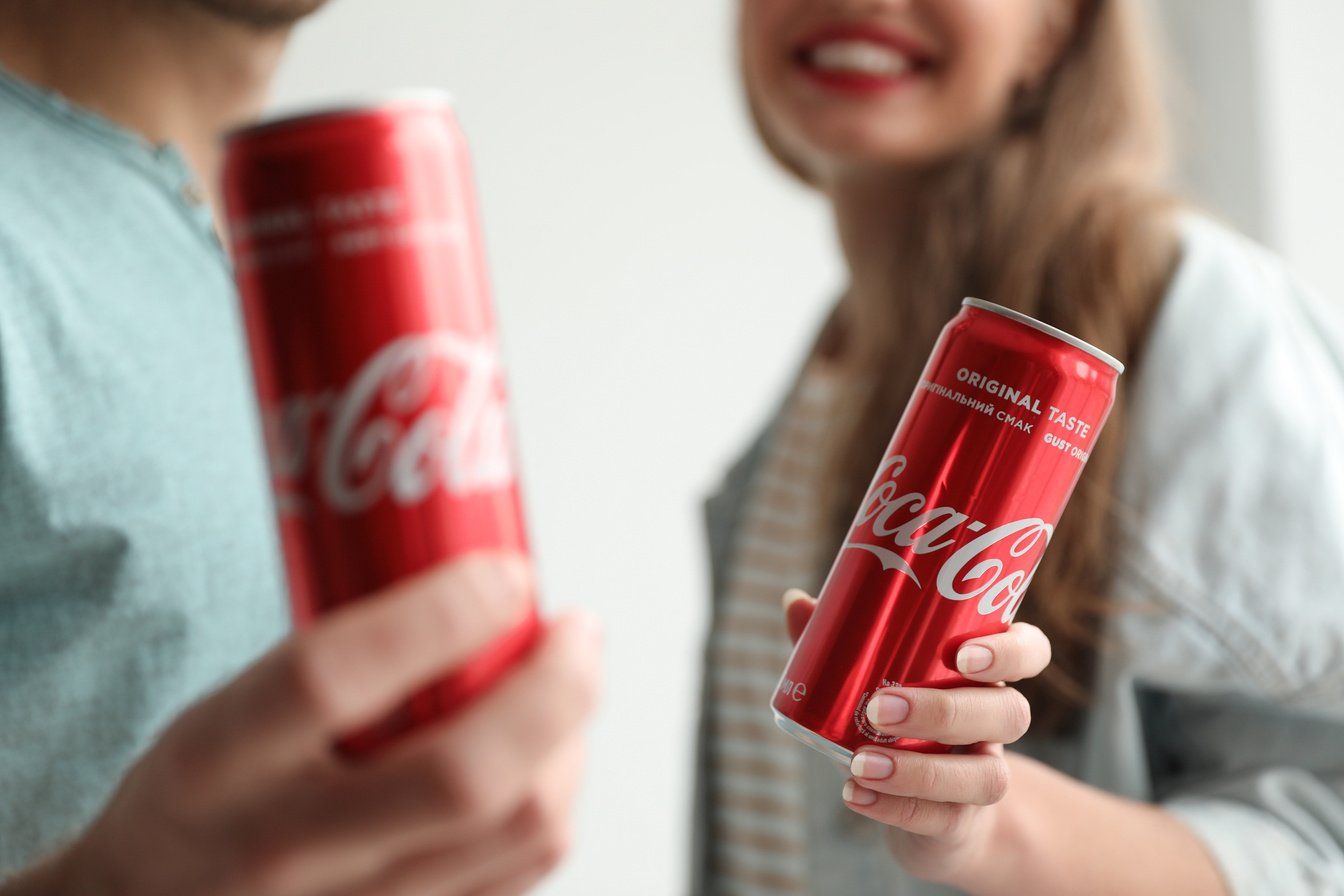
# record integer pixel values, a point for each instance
(26, 251)
(16, 267)
(34, 151)
(37, 174)
(61, 167)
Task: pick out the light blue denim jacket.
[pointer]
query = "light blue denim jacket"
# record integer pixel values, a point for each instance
(1220, 688)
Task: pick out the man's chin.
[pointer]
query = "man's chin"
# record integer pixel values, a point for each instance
(265, 14)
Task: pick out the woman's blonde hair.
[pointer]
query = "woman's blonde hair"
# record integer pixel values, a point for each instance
(1061, 214)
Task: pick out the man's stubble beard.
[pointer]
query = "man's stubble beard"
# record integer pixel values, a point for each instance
(260, 14)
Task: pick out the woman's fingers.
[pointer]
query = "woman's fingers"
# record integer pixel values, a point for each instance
(924, 817)
(1021, 652)
(978, 778)
(798, 609)
(953, 716)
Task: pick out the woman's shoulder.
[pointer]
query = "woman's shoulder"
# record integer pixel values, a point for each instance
(1243, 364)
(1227, 281)
(1232, 483)
(1240, 346)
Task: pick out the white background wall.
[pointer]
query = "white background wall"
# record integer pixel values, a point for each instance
(657, 280)
(1259, 102)
(1301, 113)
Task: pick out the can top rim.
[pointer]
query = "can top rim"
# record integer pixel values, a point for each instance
(432, 97)
(1045, 328)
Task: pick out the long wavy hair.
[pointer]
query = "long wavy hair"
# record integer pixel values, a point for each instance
(1062, 213)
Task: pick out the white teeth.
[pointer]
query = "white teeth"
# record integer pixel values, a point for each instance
(859, 56)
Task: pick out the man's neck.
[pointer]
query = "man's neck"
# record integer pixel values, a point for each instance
(166, 71)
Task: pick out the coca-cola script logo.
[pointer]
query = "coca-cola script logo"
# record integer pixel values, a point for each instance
(425, 412)
(993, 568)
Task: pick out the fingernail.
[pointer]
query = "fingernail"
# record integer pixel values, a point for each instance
(871, 765)
(792, 595)
(858, 796)
(974, 658)
(888, 709)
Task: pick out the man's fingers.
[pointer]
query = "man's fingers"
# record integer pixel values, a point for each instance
(481, 763)
(527, 840)
(525, 881)
(349, 669)
(449, 786)
(1021, 652)
(361, 662)
(798, 609)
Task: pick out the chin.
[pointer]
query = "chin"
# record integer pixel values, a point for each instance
(836, 149)
(260, 13)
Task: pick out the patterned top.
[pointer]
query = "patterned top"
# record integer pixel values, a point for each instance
(756, 770)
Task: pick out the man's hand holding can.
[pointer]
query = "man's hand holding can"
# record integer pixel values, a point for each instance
(244, 795)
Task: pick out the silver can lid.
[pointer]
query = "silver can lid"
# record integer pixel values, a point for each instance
(1045, 328)
(431, 97)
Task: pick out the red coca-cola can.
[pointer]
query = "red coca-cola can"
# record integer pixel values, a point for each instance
(954, 524)
(361, 269)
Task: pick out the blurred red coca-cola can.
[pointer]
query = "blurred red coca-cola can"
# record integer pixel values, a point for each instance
(361, 268)
(956, 520)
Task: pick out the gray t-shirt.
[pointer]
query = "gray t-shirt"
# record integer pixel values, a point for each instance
(139, 565)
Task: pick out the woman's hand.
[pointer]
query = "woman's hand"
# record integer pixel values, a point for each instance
(940, 807)
(243, 795)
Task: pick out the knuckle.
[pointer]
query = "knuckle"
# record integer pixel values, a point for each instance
(929, 778)
(531, 816)
(1047, 651)
(571, 684)
(269, 867)
(908, 813)
(583, 690)
(1008, 658)
(554, 844)
(941, 710)
(461, 789)
(1017, 713)
(491, 584)
(996, 781)
(306, 673)
(181, 758)
(956, 818)
(544, 829)
(437, 601)
(1030, 640)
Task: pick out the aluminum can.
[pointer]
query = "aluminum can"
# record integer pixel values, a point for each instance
(954, 523)
(362, 276)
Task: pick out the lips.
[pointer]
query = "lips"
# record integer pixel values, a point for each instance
(859, 57)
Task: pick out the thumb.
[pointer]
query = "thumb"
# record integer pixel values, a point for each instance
(798, 607)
